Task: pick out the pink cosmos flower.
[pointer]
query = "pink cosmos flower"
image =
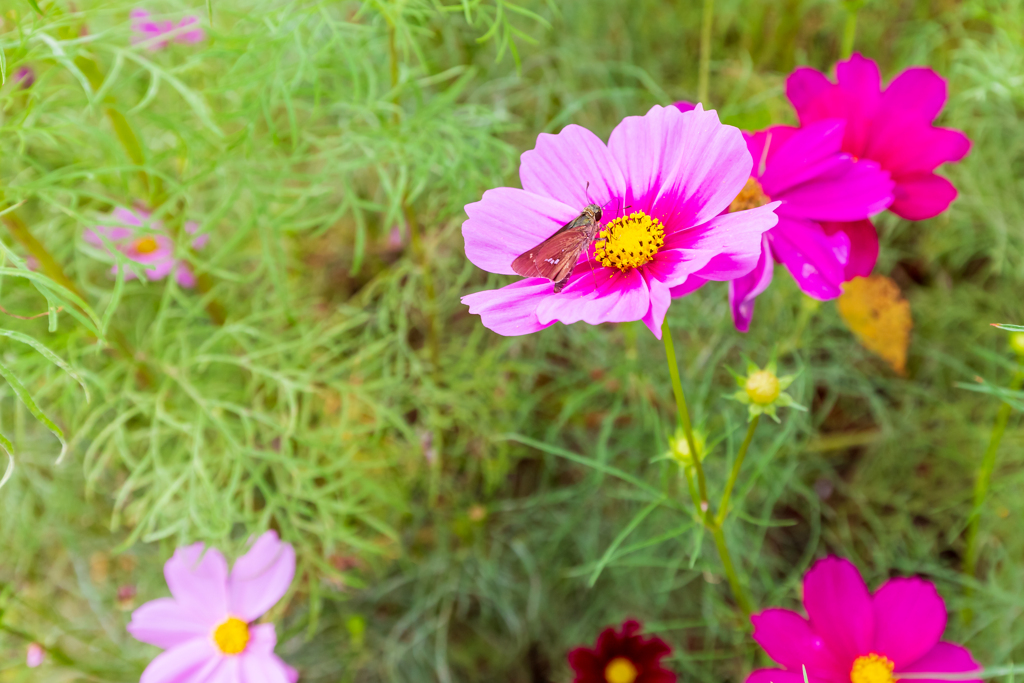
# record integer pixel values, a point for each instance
(206, 627)
(155, 251)
(25, 77)
(853, 635)
(663, 180)
(35, 655)
(822, 192)
(146, 29)
(891, 126)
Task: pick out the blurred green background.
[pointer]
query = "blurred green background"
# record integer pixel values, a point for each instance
(453, 494)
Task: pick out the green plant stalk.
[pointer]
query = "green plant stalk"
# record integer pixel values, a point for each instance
(981, 486)
(742, 601)
(723, 507)
(704, 72)
(684, 418)
(849, 29)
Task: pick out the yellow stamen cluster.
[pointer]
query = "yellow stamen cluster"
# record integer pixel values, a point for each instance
(872, 668)
(630, 241)
(620, 670)
(146, 245)
(232, 636)
(750, 197)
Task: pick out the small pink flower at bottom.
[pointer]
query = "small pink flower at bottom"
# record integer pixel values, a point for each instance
(35, 655)
(146, 29)
(154, 251)
(206, 628)
(853, 635)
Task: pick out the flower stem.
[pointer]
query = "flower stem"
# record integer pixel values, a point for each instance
(419, 251)
(705, 52)
(740, 595)
(981, 485)
(723, 507)
(850, 27)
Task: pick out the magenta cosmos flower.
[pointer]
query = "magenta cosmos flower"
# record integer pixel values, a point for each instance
(206, 627)
(661, 182)
(146, 29)
(852, 635)
(823, 236)
(154, 250)
(622, 656)
(891, 126)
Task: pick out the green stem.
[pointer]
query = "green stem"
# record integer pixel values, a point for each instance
(684, 416)
(703, 74)
(723, 507)
(419, 251)
(850, 28)
(981, 485)
(742, 601)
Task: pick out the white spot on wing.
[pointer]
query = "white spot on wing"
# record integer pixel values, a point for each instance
(553, 261)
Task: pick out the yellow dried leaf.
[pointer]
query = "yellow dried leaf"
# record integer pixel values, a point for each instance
(879, 316)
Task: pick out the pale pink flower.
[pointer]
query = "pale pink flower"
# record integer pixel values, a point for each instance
(35, 655)
(153, 249)
(147, 29)
(206, 628)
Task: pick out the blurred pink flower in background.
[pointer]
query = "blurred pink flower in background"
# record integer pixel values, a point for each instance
(25, 77)
(154, 251)
(664, 178)
(853, 635)
(891, 126)
(35, 655)
(146, 29)
(206, 627)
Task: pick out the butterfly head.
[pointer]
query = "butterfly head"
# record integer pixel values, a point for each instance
(594, 211)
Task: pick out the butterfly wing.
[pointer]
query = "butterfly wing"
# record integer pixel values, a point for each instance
(555, 257)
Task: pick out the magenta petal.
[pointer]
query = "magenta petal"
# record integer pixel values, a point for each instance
(191, 661)
(944, 658)
(159, 269)
(860, 83)
(774, 138)
(918, 90)
(863, 246)
(165, 623)
(903, 145)
(779, 676)
(689, 286)
(815, 259)
(850, 191)
(264, 669)
(804, 86)
(840, 609)
(573, 167)
(743, 291)
(507, 222)
(660, 300)
(183, 275)
(922, 196)
(198, 581)
(511, 310)
(728, 246)
(800, 155)
(909, 620)
(789, 640)
(603, 295)
(684, 106)
(261, 577)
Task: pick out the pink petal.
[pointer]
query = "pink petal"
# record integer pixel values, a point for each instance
(192, 661)
(34, 655)
(691, 285)
(684, 106)
(261, 577)
(815, 259)
(166, 623)
(775, 138)
(728, 246)
(512, 310)
(944, 658)
(922, 196)
(861, 83)
(743, 291)
(804, 86)
(158, 269)
(508, 222)
(909, 620)
(265, 669)
(573, 167)
(660, 300)
(183, 275)
(849, 191)
(863, 246)
(918, 90)
(198, 581)
(904, 145)
(802, 155)
(604, 295)
(780, 676)
(840, 609)
(707, 166)
(196, 35)
(788, 639)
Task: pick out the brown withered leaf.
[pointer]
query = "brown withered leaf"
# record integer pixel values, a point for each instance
(876, 312)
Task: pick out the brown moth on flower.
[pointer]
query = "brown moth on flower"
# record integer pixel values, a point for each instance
(555, 257)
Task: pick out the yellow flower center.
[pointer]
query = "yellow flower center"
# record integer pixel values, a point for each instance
(146, 245)
(630, 241)
(232, 636)
(750, 197)
(620, 670)
(872, 668)
(762, 387)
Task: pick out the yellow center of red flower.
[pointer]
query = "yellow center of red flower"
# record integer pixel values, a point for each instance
(232, 636)
(872, 668)
(630, 241)
(620, 670)
(146, 245)
(750, 197)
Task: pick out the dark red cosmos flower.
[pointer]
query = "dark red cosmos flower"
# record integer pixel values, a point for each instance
(622, 656)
